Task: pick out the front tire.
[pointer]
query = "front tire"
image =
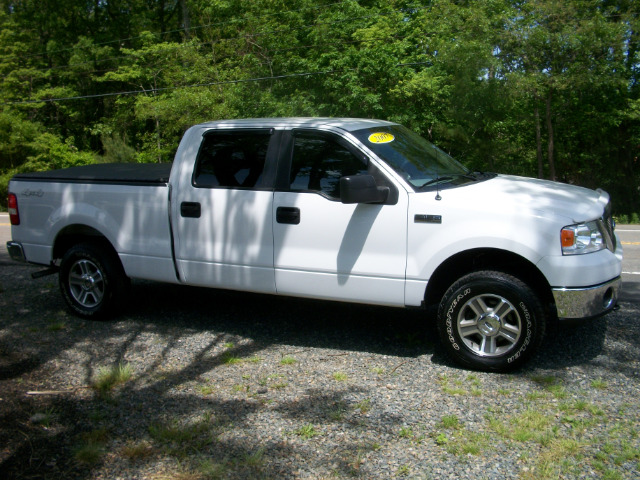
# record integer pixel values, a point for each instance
(92, 280)
(490, 320)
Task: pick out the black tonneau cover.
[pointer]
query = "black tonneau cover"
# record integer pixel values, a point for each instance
(118, 173)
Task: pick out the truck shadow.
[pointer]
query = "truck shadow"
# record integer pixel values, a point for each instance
(269, 319)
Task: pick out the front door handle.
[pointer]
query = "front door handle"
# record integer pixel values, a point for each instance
(289, 215)
(190, 209)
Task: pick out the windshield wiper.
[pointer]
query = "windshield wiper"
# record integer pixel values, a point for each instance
(448, 178)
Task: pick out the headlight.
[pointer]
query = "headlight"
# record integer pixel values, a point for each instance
(583, 238)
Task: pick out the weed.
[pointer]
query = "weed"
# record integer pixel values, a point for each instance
(287, 360)
(338, 411)
(229, 345)
(339, 376)
(364, 405)
(92, 448)
(534, 396)
(183, 436)
(406, 432)
(254, 459)
(450, 422)
(110, 377)
(545, 380)
(442, 439)
(558, 391)
(56, 326)
(137, 450)
(206, 389)
(306, 431)
(599, 384)
(212, 470)
(241, 388)
(44, 418)
(403, 471)
(454, 391)
(378, 370)
(228, 358)
(467, 443)
(89, 454)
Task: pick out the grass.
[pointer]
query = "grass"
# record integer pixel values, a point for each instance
(228, 358)
(56, 326)
(450, 422)
(110, 377)
(287, 360)
(206, 389)
(92, 446)
(339, 376)
(406, 432)
(599, 384)
(307, 431)
(364, 406)
(137, 450)
(338, 411)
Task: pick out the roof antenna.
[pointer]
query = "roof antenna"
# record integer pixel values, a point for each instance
(438, 197)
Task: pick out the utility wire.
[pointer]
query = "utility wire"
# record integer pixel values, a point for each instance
(199, 85)
(265, 33)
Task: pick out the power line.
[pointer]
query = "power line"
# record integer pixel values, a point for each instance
(265, 33)
(200, 85)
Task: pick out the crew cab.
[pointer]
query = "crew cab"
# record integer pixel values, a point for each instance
(330, 208)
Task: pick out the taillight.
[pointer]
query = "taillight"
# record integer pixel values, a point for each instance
(14, 216)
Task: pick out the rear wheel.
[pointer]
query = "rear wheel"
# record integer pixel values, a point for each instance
(490, 320)
(92, 280)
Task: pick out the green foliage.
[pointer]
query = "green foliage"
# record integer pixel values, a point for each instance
(538, 88)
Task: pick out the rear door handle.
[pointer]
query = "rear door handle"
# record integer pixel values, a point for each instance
(190, 209)
(289, 215)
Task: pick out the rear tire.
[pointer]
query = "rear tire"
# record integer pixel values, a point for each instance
(490, 320)
(92, 280)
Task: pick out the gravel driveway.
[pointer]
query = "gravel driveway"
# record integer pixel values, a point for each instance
(197, 384)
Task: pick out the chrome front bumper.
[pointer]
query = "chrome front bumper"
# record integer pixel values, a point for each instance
(575, 303)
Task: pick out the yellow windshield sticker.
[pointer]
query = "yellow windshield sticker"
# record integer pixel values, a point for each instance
(381, 137)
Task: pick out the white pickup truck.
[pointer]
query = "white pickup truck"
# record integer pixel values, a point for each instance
(339, 209)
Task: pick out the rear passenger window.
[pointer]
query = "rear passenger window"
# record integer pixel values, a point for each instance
(233, 160)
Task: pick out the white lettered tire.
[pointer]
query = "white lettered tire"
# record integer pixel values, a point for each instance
(490, 320)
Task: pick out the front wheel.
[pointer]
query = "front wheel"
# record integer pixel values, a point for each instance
(92, 280)
(490, 321)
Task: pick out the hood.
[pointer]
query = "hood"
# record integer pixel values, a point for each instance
(522, 195)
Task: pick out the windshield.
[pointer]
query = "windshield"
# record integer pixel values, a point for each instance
(418, 161)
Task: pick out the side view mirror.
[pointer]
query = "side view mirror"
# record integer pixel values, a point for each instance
(362, 189)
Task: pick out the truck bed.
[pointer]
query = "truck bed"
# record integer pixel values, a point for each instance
(106, 173)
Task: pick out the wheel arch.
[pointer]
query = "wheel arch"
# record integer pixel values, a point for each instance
(476, 259)
(77, 233)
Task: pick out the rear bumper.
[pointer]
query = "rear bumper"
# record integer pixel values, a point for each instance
(16, 251)
(587, 302)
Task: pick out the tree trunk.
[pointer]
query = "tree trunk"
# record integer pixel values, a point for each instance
(552, 166)
(536, 113)
(159, 143)
(186, 22)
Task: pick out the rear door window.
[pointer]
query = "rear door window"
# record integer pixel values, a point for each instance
(232, 159)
